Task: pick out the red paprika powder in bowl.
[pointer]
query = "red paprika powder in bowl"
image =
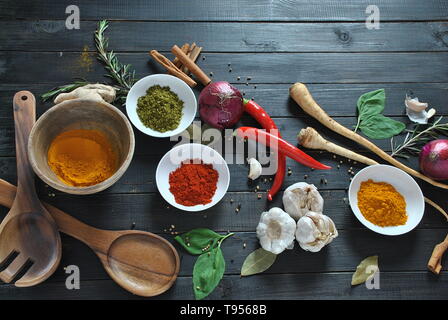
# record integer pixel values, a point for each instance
(192, 177)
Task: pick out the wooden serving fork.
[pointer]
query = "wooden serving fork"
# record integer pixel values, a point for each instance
(28, 231)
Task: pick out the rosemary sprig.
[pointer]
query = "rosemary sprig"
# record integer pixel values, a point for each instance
(415, 139)
(121, 74)
(60, 89)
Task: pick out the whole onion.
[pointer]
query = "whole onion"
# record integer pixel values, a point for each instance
(221, 104)
(433, 159)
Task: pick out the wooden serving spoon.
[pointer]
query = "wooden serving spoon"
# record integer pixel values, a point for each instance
(28, 230)
(141, 262)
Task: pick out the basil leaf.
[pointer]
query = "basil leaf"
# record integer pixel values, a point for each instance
(366, 269)
(257, 262)
(370, 120)
(208, 272)
(381, 127)
(371, 103)
(198, 241)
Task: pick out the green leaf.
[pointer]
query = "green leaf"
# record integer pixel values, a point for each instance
(381, 127)
(198, 241)
(366, 269)
(371, 103)
(370, 120)
(258, 261)
(207, 272)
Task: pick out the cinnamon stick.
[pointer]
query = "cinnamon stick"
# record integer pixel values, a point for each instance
(190, 50)
(194, 69)
(194, 54)
(185, 48)
(434, 263)
(172, 69)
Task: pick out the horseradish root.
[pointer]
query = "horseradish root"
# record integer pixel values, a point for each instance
(434, 263)
(299, 92)
(311, 139)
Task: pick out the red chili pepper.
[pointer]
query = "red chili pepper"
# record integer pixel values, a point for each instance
(263, 118)
(282, 146)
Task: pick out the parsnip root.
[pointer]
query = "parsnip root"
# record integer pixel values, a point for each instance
(310, 138)
(299, 92)
(434, 263)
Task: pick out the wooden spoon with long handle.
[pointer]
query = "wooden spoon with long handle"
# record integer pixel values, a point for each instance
(141, 262)
(28, 229)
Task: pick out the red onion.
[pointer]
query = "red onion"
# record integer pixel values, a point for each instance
(434, 159)
(221, 105)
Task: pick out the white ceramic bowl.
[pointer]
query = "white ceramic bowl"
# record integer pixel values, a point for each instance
(403, 183)
(177, 86)
(173, 159)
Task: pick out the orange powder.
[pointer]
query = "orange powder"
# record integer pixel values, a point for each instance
(82, 158)
(381, 204)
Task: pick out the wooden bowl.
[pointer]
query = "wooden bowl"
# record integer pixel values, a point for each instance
(80, 114)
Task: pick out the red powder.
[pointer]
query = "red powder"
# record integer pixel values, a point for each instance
(193, 183)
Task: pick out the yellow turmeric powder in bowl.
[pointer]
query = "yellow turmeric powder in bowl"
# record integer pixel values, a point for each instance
(82, 158)
(381, 204)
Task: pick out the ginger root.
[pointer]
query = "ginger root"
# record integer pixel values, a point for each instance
(94, 91)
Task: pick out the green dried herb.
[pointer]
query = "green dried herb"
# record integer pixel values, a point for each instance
(160, 109)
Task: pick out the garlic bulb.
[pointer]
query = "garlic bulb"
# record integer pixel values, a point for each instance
(314, 231)
(300, 198)
(276, 231)
(255, 169)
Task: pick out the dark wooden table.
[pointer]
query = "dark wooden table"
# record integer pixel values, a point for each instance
(324, 43)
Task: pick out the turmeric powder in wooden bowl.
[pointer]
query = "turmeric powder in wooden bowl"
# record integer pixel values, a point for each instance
(386, 199)
(81, 146)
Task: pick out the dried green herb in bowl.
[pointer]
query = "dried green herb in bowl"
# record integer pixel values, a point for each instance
(160, 109)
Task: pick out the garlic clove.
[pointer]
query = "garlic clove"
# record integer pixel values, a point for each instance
(431, 113)
(416, 110)
(255, 169)
(414, 104)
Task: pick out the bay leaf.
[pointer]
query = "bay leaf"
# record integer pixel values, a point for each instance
(366, 269)
(257, 261)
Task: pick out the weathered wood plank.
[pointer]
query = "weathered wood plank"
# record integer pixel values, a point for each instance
(342, 255)
(227, 10)
(50, 35)
(289, 128)
(337, 99)
(315, 286)
(58, 67)
(151, 212)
